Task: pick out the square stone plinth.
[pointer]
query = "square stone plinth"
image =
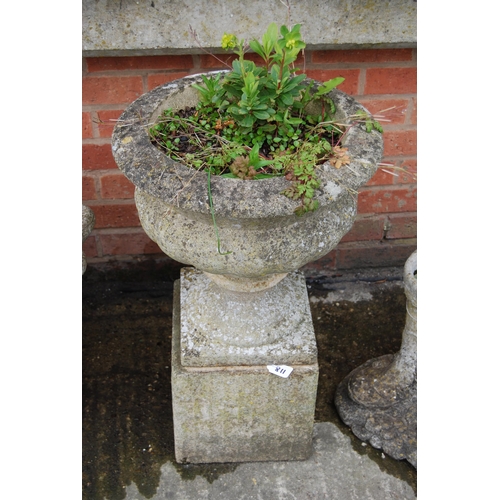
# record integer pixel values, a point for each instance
(220, 327)
(242, 412)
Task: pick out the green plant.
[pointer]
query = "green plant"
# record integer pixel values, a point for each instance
(255, 120)
(369, 122)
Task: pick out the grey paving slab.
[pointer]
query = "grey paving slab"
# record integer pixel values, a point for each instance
(334, 471)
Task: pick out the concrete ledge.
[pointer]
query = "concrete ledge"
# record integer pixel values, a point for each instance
(155, 27)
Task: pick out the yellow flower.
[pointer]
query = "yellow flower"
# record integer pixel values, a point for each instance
(290, 44)
(229, 41)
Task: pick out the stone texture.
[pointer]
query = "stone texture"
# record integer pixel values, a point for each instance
(392, 428)
(244, 313)
(256, 223)
(158, 27)
(378, 400)
(240, 413)
(88, 221)
(154, 173)
(220, 327)
(334, 471)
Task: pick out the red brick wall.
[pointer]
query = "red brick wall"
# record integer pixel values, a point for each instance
(385, 231)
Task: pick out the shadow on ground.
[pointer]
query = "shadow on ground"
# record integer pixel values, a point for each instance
(127, 327)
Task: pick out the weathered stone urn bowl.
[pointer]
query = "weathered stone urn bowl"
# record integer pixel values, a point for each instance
(261, 237)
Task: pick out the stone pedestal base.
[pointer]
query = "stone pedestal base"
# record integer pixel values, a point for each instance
(227, 406)
(390, 425)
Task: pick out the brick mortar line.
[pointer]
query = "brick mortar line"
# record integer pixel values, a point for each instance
(102, 172)
(94, 108)
(97, 141)
(395, 177)
(386, 96)
(116, 230)
(144, 74)
(404, 127)
(197, 67)
(380, 216)
(97, 186)
(383, 187)
(121, 258)
(98, 244)
(382, 97)
(138, 72)
(361, 65)
(366, 243)
(362, 81)
(398, 158)
(411, 110)
(197, 64)
(110, 201)
(387, 187)
(408, 214)
(193, 71)
(196, 58)
(94, 126)
(106, 202)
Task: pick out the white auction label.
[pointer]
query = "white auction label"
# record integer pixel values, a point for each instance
(280, 370)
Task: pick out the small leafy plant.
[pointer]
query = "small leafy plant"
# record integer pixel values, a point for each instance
(253, 121)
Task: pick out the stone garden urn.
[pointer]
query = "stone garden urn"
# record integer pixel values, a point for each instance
(241, 308)
(378, 400)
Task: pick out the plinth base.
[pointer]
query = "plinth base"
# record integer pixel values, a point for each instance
(242, 412)
(391, 427)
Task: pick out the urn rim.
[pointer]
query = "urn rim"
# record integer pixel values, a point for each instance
(154, 172)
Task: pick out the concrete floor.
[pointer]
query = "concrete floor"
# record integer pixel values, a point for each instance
(127, 416)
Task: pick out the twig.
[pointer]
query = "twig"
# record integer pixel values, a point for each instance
(388, 172)
(353, 171)
(286, 3)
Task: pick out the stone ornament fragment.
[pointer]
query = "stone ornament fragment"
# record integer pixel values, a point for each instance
(378, 400)
(88, 221)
